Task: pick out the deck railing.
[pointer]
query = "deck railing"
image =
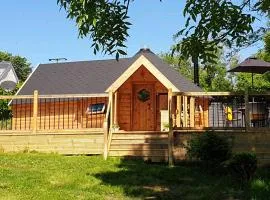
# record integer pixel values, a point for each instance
(221, 110)
(52, 112)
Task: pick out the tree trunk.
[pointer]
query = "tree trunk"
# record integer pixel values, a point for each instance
(195, 61)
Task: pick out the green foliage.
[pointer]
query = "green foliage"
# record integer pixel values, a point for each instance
(267, 45)
(5, 111)
(210, 148)
(20, 64)
(178, 63)
(243, 166)
(261, 83)
(105, 22)
(213, 77)
(260, 189)
(209, 25)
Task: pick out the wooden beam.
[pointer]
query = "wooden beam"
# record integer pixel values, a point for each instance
(179, 110)
(111, 111)
(192, 111)
(115, 108)
(106, 131)
(35, 112)
(208, 93)
(247, 115)
(53, 96)
(185, 111)
(16, 97)
(206, 112)
(170, 135)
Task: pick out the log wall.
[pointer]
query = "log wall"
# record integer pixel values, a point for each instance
(125, 97)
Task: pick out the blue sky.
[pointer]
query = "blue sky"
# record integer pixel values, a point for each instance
(38, 30)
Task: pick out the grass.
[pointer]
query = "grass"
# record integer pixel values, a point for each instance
(50, 176)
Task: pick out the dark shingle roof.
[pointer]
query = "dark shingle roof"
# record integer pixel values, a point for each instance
(90, 77)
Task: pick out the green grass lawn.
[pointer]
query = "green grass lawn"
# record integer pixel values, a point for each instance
(49, 176)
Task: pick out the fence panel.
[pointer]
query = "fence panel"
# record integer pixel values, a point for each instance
(259, 109)
(215, 110)
(71, 113)
(53, 112)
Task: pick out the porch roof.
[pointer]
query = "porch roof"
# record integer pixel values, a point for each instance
(87, 77)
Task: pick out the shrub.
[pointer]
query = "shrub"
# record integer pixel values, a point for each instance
(210, 148)
(260, 189)
(243, 166)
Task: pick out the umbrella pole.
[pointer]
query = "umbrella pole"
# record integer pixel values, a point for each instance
(252, 82)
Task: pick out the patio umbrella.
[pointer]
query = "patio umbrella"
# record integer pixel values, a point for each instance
(252, 65)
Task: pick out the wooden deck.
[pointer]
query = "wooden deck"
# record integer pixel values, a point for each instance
(150, 145)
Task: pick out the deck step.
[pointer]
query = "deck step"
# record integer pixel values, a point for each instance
(147, 145)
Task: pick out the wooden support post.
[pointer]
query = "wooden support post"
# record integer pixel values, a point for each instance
(179, 110)
(185, 112)
(35, 112)
(192, 112)
(170, 135)
(247, 114)
(115, 108)
(206, 112)
(111, 112)
(106, 134)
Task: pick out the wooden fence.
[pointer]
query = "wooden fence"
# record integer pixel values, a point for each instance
(52, 112)
(221, 111)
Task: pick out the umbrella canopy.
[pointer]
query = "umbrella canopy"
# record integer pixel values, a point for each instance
(252, 65)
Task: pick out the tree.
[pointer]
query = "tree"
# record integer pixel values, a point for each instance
(20, 64)
(181, 65)
(213, 76)
(209, 24)
(261, 81)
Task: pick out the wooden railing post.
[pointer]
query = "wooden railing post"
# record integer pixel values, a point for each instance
(170, 134)
(192, 112)
(179, 110)
(112, 109)
(247, 113)
(115, 109)
(185, 111)
(105, 129)
(35, 112)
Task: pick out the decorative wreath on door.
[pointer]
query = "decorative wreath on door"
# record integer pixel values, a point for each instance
(143, 95)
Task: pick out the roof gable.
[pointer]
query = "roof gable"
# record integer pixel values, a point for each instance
(142, 60)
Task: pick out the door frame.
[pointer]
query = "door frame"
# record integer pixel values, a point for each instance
(134, 84)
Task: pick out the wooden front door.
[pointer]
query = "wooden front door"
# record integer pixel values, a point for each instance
(143, 107)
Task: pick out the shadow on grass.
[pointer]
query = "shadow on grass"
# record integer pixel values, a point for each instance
(155, 181)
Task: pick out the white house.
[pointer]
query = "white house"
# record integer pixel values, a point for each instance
(8, 77)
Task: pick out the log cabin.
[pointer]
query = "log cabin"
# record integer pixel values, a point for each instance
(138, 87)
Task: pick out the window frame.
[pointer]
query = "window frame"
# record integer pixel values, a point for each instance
(89, 109)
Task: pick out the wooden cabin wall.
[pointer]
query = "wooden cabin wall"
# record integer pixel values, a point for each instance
(125, 97)
(55, 114)
(22, 116)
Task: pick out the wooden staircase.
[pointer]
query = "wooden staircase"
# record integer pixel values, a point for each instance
(152, 146)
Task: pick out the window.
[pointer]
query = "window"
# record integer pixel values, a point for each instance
(96, 108)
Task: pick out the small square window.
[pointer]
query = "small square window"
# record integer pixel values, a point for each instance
(96, 108)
